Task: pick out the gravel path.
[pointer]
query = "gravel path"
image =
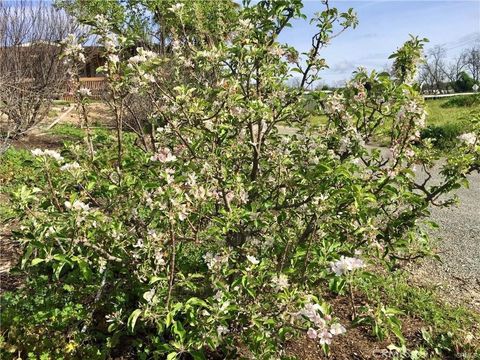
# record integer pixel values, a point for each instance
(457, 274)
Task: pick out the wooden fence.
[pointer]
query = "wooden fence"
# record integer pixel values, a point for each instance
(96, 85)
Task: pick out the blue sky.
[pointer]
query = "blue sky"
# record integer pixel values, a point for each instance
(384, 25)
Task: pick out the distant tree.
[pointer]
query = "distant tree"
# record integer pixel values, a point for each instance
(455, 68)
(433, 71)
(463, 83)
(472, 61)
(32, 73)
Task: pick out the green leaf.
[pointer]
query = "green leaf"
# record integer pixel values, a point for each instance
(37, 261)
(28, 253)
(197, 355)
(62, 258)
(172, 356)
(197, 301)
(84, 268)
(155, 279)
(179, 330)
(132, 319)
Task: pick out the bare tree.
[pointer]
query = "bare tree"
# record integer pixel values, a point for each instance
(455, 67)
(433, 72)
(472, 61)
(32, 73)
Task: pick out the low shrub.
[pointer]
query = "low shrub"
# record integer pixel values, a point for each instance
(444, 136)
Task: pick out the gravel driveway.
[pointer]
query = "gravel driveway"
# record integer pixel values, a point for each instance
(457, 274)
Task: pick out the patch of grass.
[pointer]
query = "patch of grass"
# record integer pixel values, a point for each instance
(439, 115)
(448, 327)
(12, 169)
(462, 101)
(445, 136)
(62, 102)
(69, 131)
(447, 119)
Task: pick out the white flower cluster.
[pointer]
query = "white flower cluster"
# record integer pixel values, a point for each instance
(335, 104)
(84, 92)
(70, 166)
(101, 23)
(361, 95)
(246, 24)
(77, 206)
(253, 260)
(73, 51)
(164, 156)
(176, 7)
(468, 138)
(142, 56)
(322, 331)
(280, 282)
(346, 264)
(415, 110)
(214, 261)
(222, 330)
(160, 258)
(51, 153)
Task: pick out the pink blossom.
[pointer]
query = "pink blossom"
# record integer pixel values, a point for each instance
(312, 333)
(163, 155)
(325, 337)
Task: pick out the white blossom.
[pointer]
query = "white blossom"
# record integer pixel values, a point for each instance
(148, 296)
(113, 58)
(54, 154)
(51, 153)
(334, 104)
(312, 333)
(163, 155)
(214, 261)
(159, 258)
(73, 51)
(253, 259)
(337, 329)
(218, 295)
(222, 330)
(84, 92)
(70, 166)
(280, 282)
(468, 138)
(177, 7)
(77, 206)
(37, 152)
(346, 264)
(325, 337)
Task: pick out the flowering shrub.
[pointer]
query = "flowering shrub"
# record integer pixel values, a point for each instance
(223, 235)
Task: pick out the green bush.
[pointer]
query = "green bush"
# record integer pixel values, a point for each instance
(444, 136)
(219, 234)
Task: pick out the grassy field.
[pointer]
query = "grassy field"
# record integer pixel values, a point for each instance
(441, 115)
(446, 120)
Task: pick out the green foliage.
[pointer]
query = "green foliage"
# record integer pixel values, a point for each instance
(448, 119)
(447, 330)
(43, 322)
(464, 83)
(444, 136)
(71, 132)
